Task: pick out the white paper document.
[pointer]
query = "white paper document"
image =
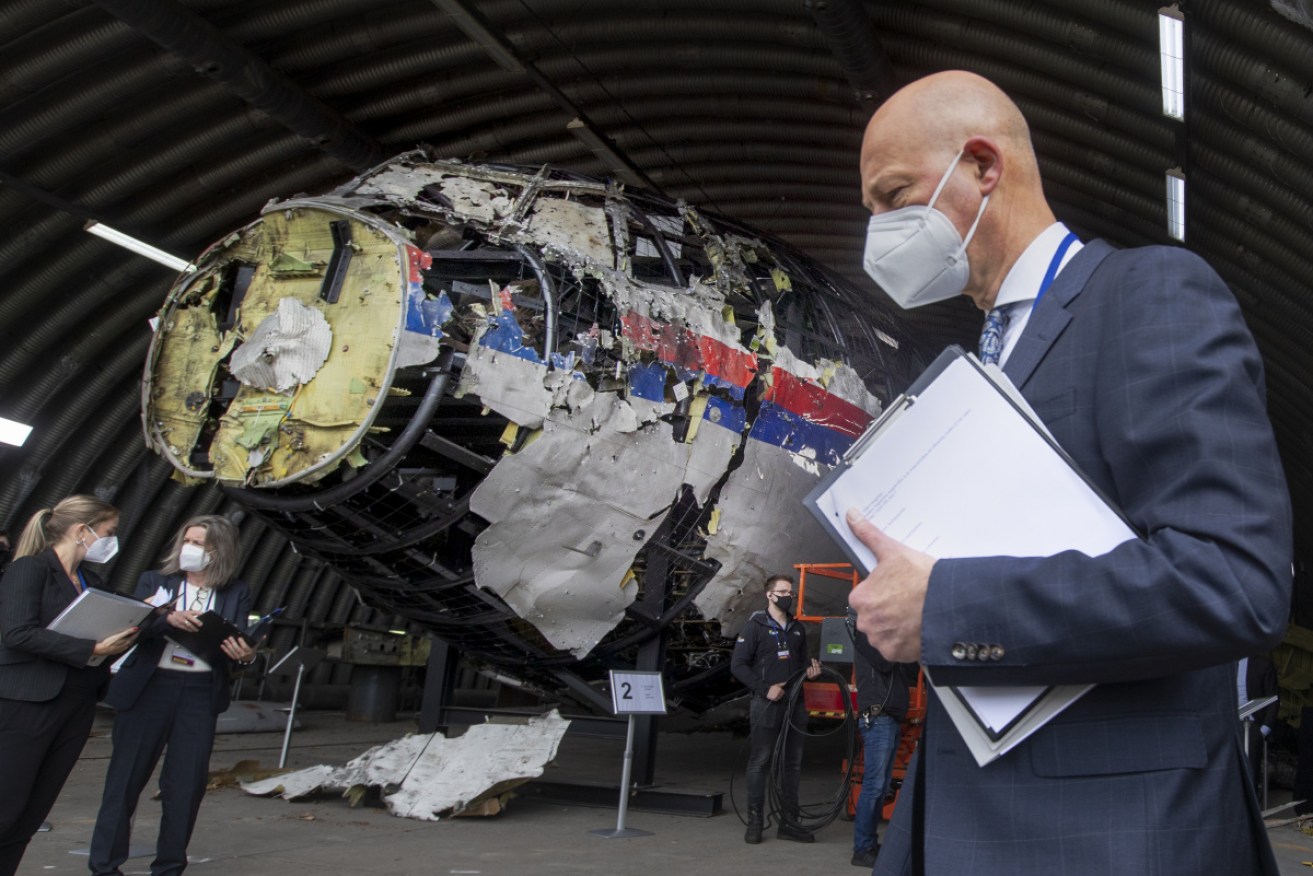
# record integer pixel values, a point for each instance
(961, 467)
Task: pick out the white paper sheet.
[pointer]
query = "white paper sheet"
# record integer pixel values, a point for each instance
(961, 474)
(966, 469)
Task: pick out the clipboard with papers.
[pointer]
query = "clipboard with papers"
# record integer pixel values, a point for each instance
(960, 440)
(206, 641)
(97, 614)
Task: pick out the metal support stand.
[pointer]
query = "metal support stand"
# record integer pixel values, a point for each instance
(1247, 712)
(651, 655)
(1265, 772)
(622, 832)
(291, 716)
(302, 659)
(439, 684)
(651, 658)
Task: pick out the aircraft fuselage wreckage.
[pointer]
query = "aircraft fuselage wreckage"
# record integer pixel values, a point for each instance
(544, 417)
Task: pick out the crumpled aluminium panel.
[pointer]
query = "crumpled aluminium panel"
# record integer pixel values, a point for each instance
(570, 512)
(286, 349)
(427, 776)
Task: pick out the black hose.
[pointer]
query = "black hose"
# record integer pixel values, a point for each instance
(853, 42)
(810, 816)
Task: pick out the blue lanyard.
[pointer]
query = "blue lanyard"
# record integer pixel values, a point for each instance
(82, 581)
(1052, 272)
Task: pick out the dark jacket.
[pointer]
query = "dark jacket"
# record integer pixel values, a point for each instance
(232, 602)
(35, 662)
(882, 683)
(1140, 365)
(756, 661)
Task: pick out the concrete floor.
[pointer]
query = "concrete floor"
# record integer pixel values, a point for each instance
(256, 836)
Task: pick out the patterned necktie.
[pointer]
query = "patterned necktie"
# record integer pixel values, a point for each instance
(991, 336)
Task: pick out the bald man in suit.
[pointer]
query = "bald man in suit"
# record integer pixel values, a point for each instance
(1141, 366)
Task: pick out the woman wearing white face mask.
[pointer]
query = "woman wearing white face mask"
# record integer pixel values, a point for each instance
(48, 692)
(169, 699)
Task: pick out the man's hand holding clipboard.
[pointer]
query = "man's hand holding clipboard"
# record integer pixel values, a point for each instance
(890, 600)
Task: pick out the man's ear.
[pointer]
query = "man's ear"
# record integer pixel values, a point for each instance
(988, 159)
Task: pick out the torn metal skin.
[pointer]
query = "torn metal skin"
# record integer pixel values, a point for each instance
(640, 368)
(428, 776)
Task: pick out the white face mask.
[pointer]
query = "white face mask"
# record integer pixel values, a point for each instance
(103, 549)
(193, 558)
(916, 254)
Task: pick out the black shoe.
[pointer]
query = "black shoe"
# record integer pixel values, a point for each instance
(866, 857)
(792, 832)
(752, 836)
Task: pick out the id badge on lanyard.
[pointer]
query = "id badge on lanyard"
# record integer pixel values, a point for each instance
(781, 647)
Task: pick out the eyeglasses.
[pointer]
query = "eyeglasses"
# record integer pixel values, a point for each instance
(781, 593)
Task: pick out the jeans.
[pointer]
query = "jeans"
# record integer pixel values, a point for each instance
(879, 744)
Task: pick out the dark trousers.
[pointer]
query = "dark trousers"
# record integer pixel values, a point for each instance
(767, 721)
(174, 713)
(39, 746)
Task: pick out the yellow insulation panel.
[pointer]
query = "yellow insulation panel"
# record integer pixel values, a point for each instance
(267, 435)
(184, 372)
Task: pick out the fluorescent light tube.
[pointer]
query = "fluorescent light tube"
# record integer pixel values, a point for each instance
(1176, 204)
(104, 232)
(1171, 49)
(13, 432)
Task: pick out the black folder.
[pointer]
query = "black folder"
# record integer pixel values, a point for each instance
(204, 642)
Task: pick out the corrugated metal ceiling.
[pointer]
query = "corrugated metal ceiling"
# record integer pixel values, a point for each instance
(738, 106)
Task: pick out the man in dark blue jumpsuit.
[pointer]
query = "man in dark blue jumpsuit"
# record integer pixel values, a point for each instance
(772, 649)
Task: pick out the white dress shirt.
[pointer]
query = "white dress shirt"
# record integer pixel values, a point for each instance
(1021, 285)
(175, 656)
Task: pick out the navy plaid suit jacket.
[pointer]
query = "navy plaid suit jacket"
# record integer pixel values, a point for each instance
(1141, 365)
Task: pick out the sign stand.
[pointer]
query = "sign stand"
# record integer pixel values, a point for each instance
(1247, 711)
(632, 693)
(302, 659)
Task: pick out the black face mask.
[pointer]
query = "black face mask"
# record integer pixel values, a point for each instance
(784, 604)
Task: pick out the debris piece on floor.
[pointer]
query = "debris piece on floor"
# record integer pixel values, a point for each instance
(427, 776)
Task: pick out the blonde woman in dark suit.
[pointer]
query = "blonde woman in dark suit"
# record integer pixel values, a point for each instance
(48, 692)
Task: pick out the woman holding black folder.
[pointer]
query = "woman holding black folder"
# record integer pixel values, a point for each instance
(169, 698)
(48, 691)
